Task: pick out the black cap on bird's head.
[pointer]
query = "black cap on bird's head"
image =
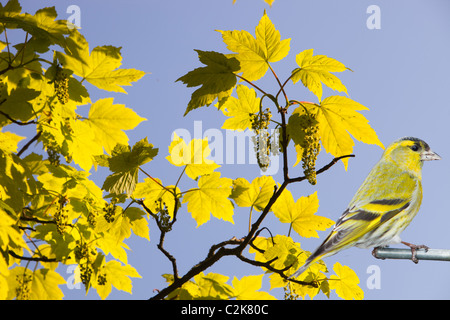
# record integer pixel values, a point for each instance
(418, 145)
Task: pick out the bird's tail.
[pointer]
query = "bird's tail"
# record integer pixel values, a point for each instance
(303, 268)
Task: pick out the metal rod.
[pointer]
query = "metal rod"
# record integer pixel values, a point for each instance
(395, 253)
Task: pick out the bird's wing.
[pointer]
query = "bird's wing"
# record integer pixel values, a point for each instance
(383, 195)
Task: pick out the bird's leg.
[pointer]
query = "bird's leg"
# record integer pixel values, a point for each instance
(414, 249)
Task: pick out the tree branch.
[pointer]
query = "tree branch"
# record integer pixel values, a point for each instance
(25, 147)
(39, 259)
(323, 169)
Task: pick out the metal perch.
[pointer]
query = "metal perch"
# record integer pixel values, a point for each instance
(395, 253)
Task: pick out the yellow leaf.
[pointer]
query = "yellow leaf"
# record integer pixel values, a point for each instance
(254, 54)
(239, 110)
(338, 118)
(345, 282)
(98, 67)
(300, 214)
(116, 275)
(247, 289)
(211, 197)
(9, 141)
(212, 286)
(9, 235)
(192, 155)
(257, 194)
(152, 190)
(108, 121)
(315, 70)
(42, 284)
(109, 243)
(83, 146)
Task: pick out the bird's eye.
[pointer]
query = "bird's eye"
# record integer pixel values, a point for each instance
(414, 147)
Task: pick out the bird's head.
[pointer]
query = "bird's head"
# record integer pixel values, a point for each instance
(410, 153)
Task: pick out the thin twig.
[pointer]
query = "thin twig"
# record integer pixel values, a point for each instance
(324, 168)
(20, 123)
(39, 259)
(252, 84)
(25, 147)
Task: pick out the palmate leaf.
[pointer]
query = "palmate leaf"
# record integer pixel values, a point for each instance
(116, 275)
(240, 109)
(345, 282)
(108, 120)
(17, 104)
(211, 197)
(99, 67)
(43, 283)
(212, 286)
(41, 25)
(256, 194)
(315, 70)
(254, 54)
(248, 288)
(339, 118)
(124, 162)
(301, 214)
(152, 190)
(9, 141)
(193, 155)
(217, 79)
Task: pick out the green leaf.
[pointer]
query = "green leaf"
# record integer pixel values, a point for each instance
(108, 120)
(345, 282)
(300, 214)
(217, 79)
(240, 109)
(247, 288)
(211, 197)
(257, 194)
(41, 25)
(17, 105)
(315, 70)
(254, 54)
(124, 163)
(98, 67)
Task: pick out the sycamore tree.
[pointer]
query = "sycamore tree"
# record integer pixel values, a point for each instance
(52, 213)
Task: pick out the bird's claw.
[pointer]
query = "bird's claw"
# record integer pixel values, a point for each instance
(414, 249)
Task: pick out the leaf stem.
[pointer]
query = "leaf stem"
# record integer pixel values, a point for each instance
(252, 84)
(279, 83)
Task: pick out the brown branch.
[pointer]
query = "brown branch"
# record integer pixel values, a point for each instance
(20, 123)
(163, 230)
(39, 259)
(23, 218)
(25, 147)
(323, 169)
(280, 272)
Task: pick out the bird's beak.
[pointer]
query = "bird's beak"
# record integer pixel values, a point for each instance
(429, 155)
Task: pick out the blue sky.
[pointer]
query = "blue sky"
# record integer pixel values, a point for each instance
(400, 73)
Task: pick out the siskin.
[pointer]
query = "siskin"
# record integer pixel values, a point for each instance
(384, 204)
